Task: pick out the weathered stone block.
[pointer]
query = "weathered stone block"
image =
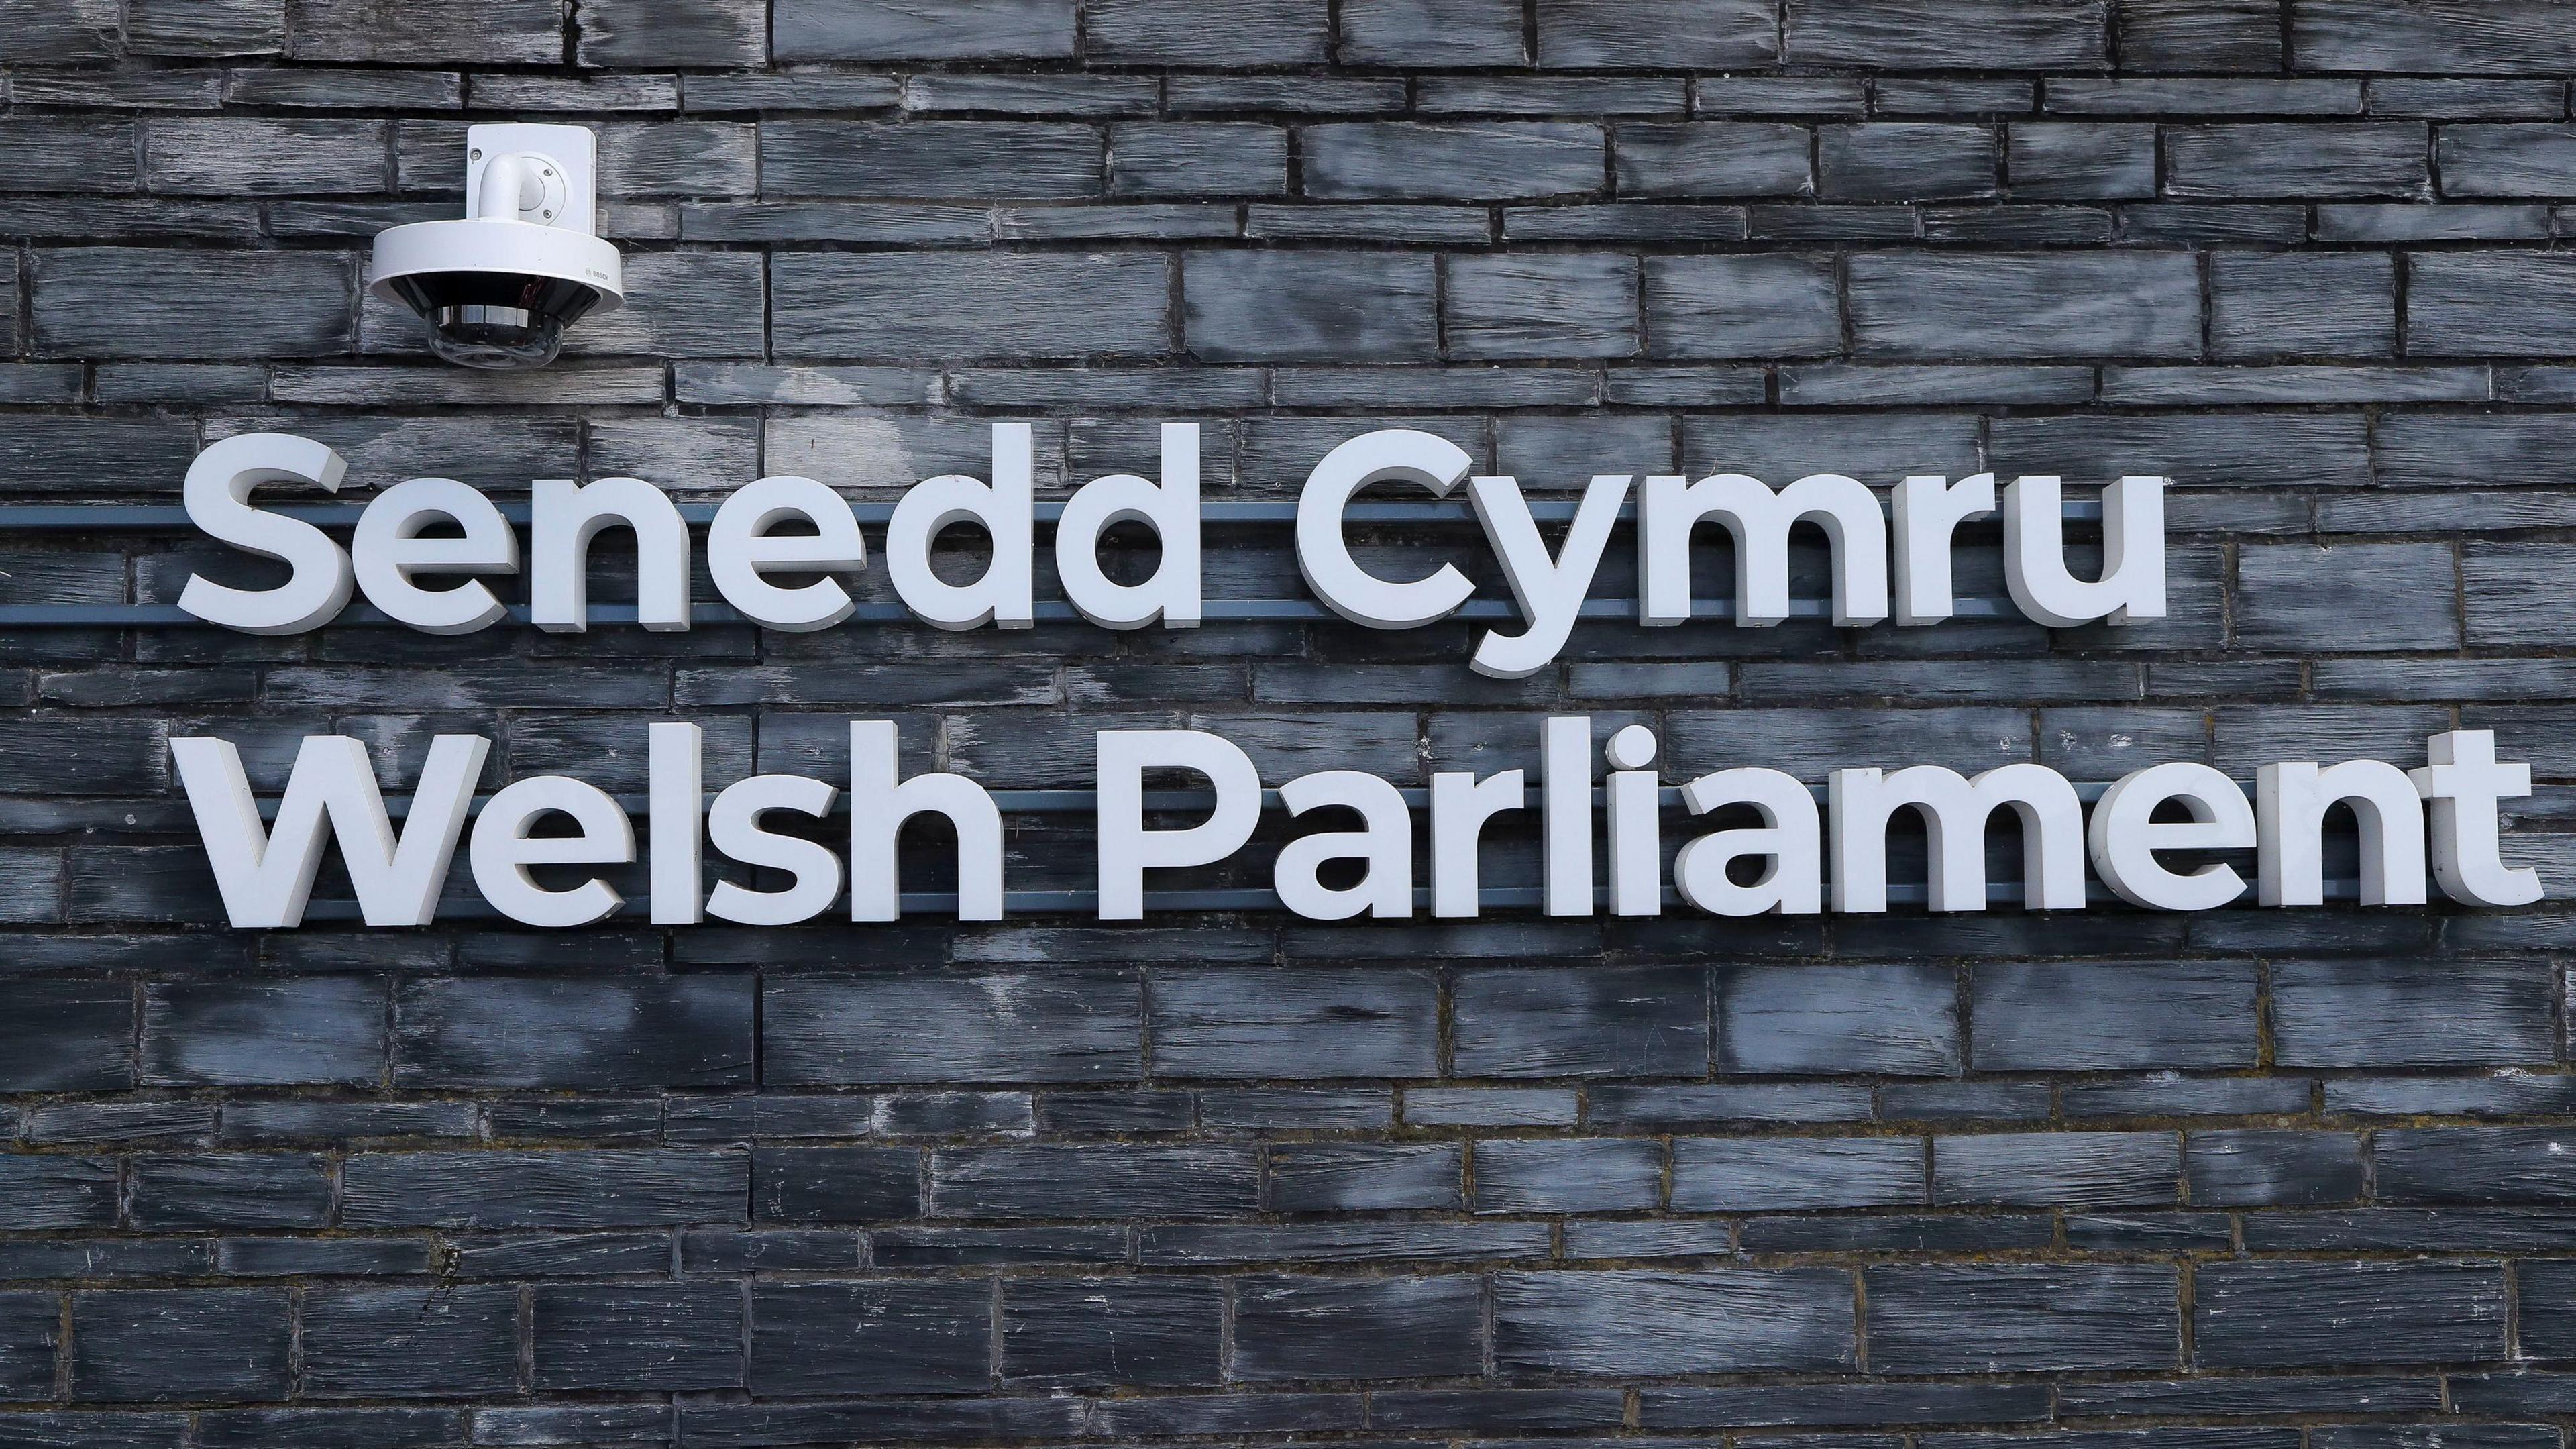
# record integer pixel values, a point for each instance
(1905, 161)
(1385, 160)
(2460, 37)
(1432, 32)
(2294, 304)
(2314, 1313)
(1025, 161)
(1669, 35)
(1309, 307)
(506, 32)
(942, 306)
(155, 302)
(642, 33)
(1741, 306)
(1976, 35)
(2031, 1016)
(1636, 1323)
(2368, 158)
(1541, 306)
(1915, 304)
(2003, 1318)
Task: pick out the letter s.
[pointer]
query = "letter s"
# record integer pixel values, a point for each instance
(218, 499)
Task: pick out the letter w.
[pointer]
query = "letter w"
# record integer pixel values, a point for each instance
(267, 876)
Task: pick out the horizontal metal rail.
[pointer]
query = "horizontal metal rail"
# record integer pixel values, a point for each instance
(1261, 899)
(170, 518)
(1216, 611)
(1071, 801)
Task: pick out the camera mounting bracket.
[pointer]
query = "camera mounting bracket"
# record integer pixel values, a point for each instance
(545, 175)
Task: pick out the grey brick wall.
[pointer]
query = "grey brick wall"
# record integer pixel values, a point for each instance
(2096, 1181)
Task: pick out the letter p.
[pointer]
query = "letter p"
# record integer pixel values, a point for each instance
(1128, 849)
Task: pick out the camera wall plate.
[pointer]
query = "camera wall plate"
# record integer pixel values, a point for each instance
(560, 165)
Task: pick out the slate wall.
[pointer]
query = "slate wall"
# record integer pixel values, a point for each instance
(2216, 1182)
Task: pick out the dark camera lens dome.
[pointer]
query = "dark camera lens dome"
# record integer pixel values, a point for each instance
(495, 319)
(494, 337)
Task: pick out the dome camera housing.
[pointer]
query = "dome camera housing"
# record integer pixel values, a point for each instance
(498, 287)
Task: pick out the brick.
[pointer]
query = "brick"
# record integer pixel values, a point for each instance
(2291, 304)
(1712, 158)
(1898, 1020)
(2545, 1295)
(1741, 306)
(1309, 307)
(179, 1343)
(1341, 1328)
(402, 1342)
(896, 306)
(286, 1033)
(639, 33)
(1905, 161)
(1197, 158)
(542, 1189)
(2200, 35)
(884, 30)
(904, 1336)
(977, 159)
(1088, 1332)
(1383, 160)
(1979, 35)
(45, 33)
(1309, 1177)
(1318, 1023)
(2143, 304)
(2459, 37)
(1789, 1174)
(2507, 593)
(2509, 303)
(2318, 1313)
(835, 1184)
(2506, 160)
(2366, 597)
(678, 158)
(1547, 306)
(1671, 34)
(1057, 1181)
(241, 157)
(2094, 1169)
(2346, 1013)
(2250, 449)
(1634, 1322)
(1431, 32)
(508, 32)
(238, 1190)
(687, 1032)
(2142, 1016)
(152, 302)
(2370, 158)
(30, 1330)
(67, 153)
(2472, 1165)
(1572, 1176)
(1065, 1026)
(1202, 33)
(68, 1036)
(2272, 1168)
(637, 1337)
(1997, 1318)
(1592, 1021)
(2081, 161)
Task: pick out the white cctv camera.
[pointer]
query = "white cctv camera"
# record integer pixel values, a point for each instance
(498, 287)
